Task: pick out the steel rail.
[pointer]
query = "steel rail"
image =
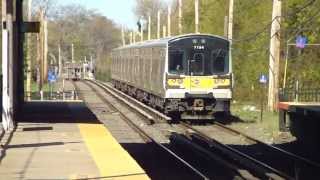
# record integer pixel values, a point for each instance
(115, 109)
(142, 112)
(276, 172)
(289, 154)
(107, 87)
(145, 135)
(251, 162)
(156, 113)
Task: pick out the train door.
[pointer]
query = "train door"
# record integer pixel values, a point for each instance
(196, 67)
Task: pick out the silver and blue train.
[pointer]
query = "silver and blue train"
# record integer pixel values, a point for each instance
(189, 76)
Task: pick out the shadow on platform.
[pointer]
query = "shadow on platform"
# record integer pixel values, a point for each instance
(57, 112)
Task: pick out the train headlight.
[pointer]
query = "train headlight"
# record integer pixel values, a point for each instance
(222, 83)
(175, 83)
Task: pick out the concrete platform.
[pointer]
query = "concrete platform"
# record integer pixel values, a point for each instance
(76, 146)
(297, 107)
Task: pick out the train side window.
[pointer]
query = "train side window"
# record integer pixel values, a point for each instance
(219, 61)
(176, 59)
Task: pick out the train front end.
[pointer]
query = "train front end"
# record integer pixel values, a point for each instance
(198, 76)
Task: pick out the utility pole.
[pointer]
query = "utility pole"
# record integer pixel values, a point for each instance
(164, 31)
(180, 16)
(230, 20)
(274, 56)
(72, 53)
(159, 24)
(131, 37)
(29, 61)
(196, 7)
(169, 20)
(149, 28)
(122, 36)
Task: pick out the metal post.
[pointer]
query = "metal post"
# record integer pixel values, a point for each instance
(296, 92)
(41, 95)
(285, 68)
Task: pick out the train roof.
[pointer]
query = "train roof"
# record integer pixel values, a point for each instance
(165, 41)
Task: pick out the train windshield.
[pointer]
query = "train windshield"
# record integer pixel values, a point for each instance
(199, 56)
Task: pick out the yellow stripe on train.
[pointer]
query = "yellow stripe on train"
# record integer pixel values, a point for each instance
(198, 82)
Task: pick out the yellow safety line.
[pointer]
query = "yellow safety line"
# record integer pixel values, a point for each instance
(111, 159)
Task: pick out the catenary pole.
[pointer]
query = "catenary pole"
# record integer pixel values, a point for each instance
(72, 53)
(169, 20)
(149, 27)
(196, 5)
(180, 16)
(159, 25)
(122, 36)
(230, 20)
(60, 60)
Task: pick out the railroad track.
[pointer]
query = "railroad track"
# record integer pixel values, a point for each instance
(153, 115)
(143, 134)
(245, 163)
(273, 162)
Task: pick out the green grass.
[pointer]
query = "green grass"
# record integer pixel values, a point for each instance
(269, 121)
